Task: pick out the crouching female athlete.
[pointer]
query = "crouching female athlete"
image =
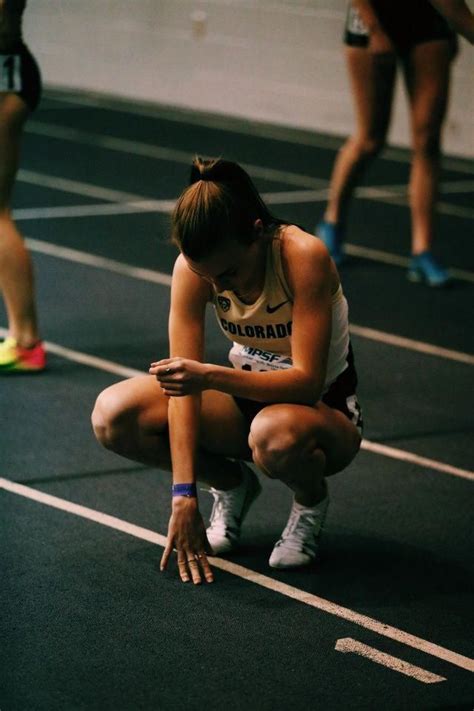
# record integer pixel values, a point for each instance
(288, 403)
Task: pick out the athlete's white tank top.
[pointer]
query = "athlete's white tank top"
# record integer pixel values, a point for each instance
(261, 332)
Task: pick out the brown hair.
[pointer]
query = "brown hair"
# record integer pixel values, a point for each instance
(221, 201)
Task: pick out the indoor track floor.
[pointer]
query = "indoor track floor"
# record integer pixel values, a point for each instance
(384, 618)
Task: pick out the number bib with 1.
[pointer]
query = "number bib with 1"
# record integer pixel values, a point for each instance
(10, 73)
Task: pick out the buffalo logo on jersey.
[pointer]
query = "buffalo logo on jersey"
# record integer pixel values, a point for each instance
(224, 303)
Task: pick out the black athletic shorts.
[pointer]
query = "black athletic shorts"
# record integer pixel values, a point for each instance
(20, 74)
(406, 23)
(341, 395)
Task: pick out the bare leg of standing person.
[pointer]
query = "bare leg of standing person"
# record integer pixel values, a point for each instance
(22, 350)
(427, 75)
(372, 81)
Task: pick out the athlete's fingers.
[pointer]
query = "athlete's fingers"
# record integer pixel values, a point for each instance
(206, 568)
(173, 393)
(194, 568)
(166, 555)
(182, 567)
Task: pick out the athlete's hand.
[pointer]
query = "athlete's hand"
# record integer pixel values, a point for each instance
(187, 534)
(380, 43)
(180, 376)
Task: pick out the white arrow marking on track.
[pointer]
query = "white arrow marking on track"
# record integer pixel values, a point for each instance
(375, 655)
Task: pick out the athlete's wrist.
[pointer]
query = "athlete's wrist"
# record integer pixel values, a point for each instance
(209, 376)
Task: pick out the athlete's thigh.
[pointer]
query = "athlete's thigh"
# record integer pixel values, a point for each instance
(372, 81)
(427, 72)
(308, 428)
(13, 113)
(224, 430)
(140, 401)
(137, 401)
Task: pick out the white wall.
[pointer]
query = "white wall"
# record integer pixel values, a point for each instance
(276, 61)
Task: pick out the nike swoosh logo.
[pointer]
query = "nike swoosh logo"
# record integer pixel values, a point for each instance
(272, 309)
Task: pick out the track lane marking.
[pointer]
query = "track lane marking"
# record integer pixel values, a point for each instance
(130, 203)
(247, 127)
(156, 277)
(349, 645)
(147, 150)
(404, 456)
(373, 447)
(246, 574)
(152, 151)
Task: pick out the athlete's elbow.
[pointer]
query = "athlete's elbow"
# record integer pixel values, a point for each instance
(309, 391)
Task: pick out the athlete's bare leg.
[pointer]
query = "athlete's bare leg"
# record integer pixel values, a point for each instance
(427, 75)
(131, 419)
(16, 272)
(302, 445)
(372, 81)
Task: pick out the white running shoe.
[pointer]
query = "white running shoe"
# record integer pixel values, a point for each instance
(229, 510)
(298, 544)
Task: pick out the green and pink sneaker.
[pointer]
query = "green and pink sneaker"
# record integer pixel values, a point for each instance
(15, 359)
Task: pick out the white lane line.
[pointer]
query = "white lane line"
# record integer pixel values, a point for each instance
(347, 644)
(109, 366)
(377, 255)
(382, 193)
(410, 344)
(123, 208)
(85, 359)
(136, 203)
(250, 575)
(404, 456)
(372, 334)
(232, 123)
(92, 260)
(153, 151)
(76, 187)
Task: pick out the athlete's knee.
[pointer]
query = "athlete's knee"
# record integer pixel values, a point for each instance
(110, 420)
(427, 140)
(368, 146)
(274, 443)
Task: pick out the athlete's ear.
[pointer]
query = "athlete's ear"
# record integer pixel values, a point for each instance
(258, 228)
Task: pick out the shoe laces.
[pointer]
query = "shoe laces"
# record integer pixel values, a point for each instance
(302, 530)
(223, 511)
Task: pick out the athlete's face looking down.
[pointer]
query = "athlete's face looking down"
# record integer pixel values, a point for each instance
(235, 266)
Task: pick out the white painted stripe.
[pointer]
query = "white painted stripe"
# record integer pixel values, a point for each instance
(236, 124)
(76, 187)
(85, 359)
(375, 655)
(246, 574)
(114, 208)
(391, 195)
(173, 155)
(379, 256)
(111, 367)
(291, 197)
(372, 334)
(410, 344)
(404, 456)
(93, 260)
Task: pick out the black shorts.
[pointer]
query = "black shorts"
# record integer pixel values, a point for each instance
(20, 74)
(341, 395)
(407, 24)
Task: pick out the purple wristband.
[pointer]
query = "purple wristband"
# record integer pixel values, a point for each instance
(184, 490)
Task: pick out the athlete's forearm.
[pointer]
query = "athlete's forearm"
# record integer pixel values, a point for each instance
(291, 385)
(183, 421)
(459, 16)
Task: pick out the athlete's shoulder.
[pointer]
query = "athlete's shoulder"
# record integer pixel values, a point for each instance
(185, 280)
(302, 247)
